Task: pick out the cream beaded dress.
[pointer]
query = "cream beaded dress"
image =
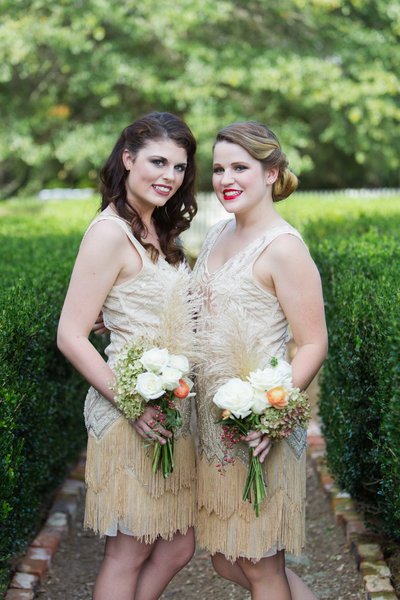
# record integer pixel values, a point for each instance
(240, 327)
(122, 492)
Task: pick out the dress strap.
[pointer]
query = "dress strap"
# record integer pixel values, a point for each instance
(269, 237)
(125, 226)
(213, 234)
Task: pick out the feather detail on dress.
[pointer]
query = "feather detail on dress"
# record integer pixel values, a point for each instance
(176, 330)
(233, 345)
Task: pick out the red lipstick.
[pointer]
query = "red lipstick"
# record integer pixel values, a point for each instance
(231, 194)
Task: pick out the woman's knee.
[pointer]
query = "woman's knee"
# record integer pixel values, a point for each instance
(265, 569)
(221, 565)
(126, 553)
(185, 550)
(175, 554)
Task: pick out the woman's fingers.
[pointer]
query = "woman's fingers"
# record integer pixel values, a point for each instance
(261, 444)
(148, 433)
(148, 426)
(253, 435)
(263, 448)
(253, 438)
(99, 328)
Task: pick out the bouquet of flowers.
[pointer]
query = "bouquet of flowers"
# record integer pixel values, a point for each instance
(266, 402)
(158, 378)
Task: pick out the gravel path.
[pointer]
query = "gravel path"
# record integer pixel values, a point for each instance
(326, 566)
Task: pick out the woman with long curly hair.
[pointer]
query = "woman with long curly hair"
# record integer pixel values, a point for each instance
(131, 267)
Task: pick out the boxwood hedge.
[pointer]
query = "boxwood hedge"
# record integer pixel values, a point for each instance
(41, 395)
(360, 386)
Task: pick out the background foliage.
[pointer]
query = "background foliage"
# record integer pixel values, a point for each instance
(322, 73)
(41, 395)
(360, 385)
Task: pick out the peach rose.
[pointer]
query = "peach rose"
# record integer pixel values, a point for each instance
(182, 391)
(278, 397)
(226, 414)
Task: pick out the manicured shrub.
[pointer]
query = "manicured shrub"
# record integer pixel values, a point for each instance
(41, 395)
(359, 399)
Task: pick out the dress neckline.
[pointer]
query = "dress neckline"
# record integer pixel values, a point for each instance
(240, 252)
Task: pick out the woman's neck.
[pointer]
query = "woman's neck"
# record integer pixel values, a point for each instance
(256, 221)
(146, 216)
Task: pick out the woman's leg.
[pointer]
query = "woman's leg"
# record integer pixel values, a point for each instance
(124, 557)
(233, 572)
(166, 559)
(267, 577)
(229, 570)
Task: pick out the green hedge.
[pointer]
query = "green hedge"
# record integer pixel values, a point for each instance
(41, 395)
(359, 261)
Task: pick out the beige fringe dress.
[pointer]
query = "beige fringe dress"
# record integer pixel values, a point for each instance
(122, 492)
(240, 327)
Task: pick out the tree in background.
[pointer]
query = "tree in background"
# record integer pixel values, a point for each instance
(323, 73)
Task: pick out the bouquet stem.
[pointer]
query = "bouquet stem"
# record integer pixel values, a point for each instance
(254, 483)
(163, 457)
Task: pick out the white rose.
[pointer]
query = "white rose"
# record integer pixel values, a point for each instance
(235, 395)
(155, 359)
(265, 379)
(149, 386)
(260, 402)
(178, 361)
(170, 378)
(285, 373)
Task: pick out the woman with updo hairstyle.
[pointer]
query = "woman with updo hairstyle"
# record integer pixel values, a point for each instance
(258, 281)
(131, 266)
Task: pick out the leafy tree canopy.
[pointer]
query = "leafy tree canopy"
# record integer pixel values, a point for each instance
(323, 74)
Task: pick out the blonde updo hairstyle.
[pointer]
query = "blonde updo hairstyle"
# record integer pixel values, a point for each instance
(262, 144)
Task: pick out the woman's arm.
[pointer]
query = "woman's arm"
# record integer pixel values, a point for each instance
(98, 264)
(298, 288)
(287, 270)
(102, 258)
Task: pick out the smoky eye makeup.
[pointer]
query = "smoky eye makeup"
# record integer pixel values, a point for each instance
(159, 161)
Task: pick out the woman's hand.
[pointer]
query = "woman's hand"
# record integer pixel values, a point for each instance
(99, 328)
(261, 443)
(149, 428)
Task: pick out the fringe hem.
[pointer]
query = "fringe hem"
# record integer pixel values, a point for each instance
(139, 515)
(235, 538)
(121, 450)
(122, 490)
(228, 525)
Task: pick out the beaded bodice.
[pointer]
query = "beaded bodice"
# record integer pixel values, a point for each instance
(144, 308)
(240, 325)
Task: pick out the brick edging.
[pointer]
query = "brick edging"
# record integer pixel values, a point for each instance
(33, 567)
(368, 555)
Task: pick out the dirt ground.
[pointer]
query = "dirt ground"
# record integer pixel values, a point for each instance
(326, 565)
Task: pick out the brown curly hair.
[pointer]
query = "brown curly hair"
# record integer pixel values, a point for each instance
(173, 218)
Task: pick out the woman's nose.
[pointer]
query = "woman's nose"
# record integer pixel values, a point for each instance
(227, 177)
(169, 173)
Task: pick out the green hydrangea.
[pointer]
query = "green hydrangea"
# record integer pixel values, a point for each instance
(126, 370)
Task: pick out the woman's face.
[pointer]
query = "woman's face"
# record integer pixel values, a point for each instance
(239, 180)
(155, 173)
